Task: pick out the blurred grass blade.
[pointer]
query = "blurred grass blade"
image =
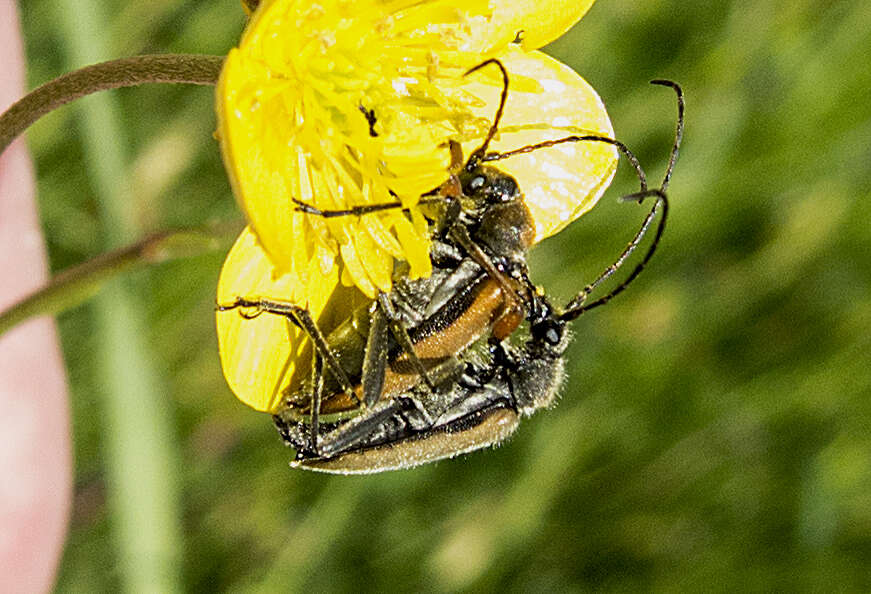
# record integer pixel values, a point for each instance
(79, 283)
(310, 541)
(142, 452)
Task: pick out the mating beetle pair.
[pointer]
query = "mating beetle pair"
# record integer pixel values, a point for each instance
(428, 371)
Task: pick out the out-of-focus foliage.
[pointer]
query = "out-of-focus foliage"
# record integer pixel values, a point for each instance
(715, 431)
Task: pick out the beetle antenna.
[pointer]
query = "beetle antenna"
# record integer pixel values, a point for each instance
(630, 156)
(478, 154)
(577, 306)
(678, 133)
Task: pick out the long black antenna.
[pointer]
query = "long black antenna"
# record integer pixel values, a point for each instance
(678, 133)
(478, 154)
(578, 305)
(633, 160)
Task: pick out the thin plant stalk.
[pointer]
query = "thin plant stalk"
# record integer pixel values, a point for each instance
(114, 74)
(79, 283)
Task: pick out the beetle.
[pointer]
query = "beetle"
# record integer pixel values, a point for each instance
(395, 404)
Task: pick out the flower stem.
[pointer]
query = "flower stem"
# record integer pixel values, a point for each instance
(74, 285)
(195, 69)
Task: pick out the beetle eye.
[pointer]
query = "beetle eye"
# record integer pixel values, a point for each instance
(552, 336)
(549, 330)
(476, 184)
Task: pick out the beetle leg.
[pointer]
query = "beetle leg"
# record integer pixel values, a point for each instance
(317, 396)
(402, 337)
(387, 416)
(447, 372)
(357, 210)
(375, 358)
(303, 319)
(457, 161)
(461, 236)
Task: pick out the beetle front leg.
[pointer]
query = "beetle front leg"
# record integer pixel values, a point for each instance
(300, 317)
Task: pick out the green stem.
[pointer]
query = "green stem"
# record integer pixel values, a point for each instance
(195, 69)
(74, 285)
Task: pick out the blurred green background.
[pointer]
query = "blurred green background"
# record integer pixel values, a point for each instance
(715, 431)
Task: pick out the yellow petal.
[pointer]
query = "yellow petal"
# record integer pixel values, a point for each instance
(559, 183)
(261, 357)
(535, 22)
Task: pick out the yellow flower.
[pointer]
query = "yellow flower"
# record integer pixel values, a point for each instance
(347, 103)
